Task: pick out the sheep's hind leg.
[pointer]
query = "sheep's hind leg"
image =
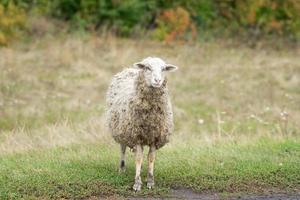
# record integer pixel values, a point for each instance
(138, 164)
(122, 160)
(151, 159)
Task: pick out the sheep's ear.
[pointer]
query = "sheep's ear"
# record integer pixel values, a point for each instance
(170, 68)
(139, 65)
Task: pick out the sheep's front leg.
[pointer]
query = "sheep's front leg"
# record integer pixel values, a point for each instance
(122, 160)
(151, 159)
(138, 164)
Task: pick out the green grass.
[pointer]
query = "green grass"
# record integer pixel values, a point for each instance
(86, 170)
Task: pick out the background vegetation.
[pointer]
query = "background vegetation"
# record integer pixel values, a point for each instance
(164, 20)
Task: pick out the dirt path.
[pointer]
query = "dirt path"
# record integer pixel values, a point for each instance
(189, 194)
(180, 194)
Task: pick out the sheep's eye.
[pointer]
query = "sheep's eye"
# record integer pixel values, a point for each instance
(148, 68)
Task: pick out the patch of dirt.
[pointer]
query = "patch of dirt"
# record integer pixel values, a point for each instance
(178, 194)
(190, 194)
(270, 197)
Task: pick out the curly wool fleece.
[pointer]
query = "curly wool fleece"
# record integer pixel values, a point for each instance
(137, 113)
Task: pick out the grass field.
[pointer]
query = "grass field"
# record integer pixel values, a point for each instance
(237, 119)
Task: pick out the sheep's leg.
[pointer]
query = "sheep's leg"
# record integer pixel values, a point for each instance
(122, 161)
(138, 164)
(151, 159)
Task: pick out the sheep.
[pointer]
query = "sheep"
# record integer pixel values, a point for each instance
(139, 112)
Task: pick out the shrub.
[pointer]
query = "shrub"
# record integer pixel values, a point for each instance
(264, 16)
(175, 24)
(12, 20)
(121, 16)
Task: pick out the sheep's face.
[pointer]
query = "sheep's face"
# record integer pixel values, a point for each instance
(154, 70)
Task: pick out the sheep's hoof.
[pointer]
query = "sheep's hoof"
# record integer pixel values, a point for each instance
(137, 186)
(150, 181)
(150, 185)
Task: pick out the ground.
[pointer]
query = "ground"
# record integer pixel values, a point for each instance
(236, 109)
(189, 194)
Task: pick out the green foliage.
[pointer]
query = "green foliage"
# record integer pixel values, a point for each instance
(121, 16)
(264, 16)
(131, 17)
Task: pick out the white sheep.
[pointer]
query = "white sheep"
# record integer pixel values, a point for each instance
(139, 112)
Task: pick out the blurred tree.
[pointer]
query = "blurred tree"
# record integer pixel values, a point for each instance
(133, 17)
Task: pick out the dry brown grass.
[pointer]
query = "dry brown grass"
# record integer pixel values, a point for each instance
(52, 91)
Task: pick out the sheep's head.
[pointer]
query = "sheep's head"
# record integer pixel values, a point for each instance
(154, 70)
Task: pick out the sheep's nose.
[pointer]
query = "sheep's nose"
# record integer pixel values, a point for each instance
(157, 80)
